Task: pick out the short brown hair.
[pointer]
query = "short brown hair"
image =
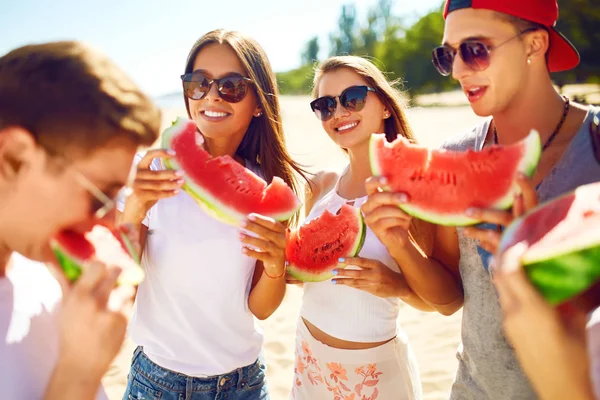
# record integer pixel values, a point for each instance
(69, 95)
(521, 25)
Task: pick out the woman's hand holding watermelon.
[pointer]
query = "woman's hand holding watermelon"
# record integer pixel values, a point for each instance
(269, 246)
(489, 239)
(388, 222)
(150, 186)
(373, 277)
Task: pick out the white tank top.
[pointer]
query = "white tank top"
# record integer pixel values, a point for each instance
(191, 311)
(344, 312)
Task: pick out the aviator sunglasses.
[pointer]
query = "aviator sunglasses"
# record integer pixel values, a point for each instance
(474, 53)
(101, 203)
(231, 88)
(352, 99)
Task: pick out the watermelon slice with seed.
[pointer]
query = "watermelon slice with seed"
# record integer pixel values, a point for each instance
(442, 185)
(563, 245)
(223, 187)
(313, 250)
(112, 247)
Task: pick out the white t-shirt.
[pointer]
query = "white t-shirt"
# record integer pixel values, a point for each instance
(191, 311)
(30, 300)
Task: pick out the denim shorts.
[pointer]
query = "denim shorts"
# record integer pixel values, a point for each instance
(149, 381)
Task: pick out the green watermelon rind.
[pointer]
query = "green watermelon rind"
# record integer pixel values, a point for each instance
(203, 198)
(565, 276)
(72, 266)
(528, 165)
(297, 272)
(529, 257)
(560, 273)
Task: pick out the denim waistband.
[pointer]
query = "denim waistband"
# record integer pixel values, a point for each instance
(178, 382)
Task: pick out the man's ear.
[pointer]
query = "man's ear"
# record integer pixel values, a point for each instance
(17, 149)
(538, 43)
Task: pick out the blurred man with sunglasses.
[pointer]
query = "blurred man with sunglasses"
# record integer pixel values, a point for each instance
(70, 125)
(503, 52)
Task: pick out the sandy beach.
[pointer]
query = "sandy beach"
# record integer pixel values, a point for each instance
(433, 337)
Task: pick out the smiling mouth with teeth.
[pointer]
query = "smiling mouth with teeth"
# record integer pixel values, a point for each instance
(215, 114)
(346, 127)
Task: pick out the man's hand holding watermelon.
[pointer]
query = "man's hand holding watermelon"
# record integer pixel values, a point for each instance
(93, 321)
(524, 201)
(550, 345)
(429, 269)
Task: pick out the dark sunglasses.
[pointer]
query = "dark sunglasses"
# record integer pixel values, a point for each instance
(474, 53)
(231, 88)
(352, 99)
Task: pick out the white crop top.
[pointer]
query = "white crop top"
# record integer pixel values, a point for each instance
(345, 312)
(191, 311)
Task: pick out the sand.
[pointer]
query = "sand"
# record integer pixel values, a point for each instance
(433, 337)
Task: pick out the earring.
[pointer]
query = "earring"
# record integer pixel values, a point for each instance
(386, 115)
(529, 61)
(259, 114)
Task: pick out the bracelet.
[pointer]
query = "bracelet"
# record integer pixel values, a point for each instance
(273, 277)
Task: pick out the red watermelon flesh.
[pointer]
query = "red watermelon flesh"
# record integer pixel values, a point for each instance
(313, 249)
(223, 187)
(563, 244)
(112, 247)
(442, 184)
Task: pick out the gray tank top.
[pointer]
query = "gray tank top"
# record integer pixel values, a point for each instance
(488, 368)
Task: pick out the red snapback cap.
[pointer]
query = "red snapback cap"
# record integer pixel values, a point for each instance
(562, 55)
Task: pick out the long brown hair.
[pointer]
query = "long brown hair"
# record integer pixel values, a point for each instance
(396, 124)
(385, 90)
(264, 141)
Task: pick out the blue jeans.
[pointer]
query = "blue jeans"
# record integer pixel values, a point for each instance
(149, 381)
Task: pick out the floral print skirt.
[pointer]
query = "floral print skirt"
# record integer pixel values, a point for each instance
(389, 371)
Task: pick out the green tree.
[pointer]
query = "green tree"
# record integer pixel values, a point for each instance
(383, 8)
(579, 21)
(311, 51)
(344, 41)
(407, 53)
(368, 34)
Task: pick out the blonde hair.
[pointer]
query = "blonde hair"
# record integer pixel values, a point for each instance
(397, 123)
(420, 231)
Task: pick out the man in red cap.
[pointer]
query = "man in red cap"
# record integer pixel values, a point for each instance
(503, 53)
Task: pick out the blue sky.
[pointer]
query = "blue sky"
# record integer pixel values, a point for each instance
(150, 39)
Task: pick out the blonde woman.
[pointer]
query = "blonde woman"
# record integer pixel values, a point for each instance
(349, 345)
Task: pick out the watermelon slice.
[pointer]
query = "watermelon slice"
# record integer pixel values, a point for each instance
(563, 243)
(441, 184)
(220, 185)
(313, 249)
(111, 247)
